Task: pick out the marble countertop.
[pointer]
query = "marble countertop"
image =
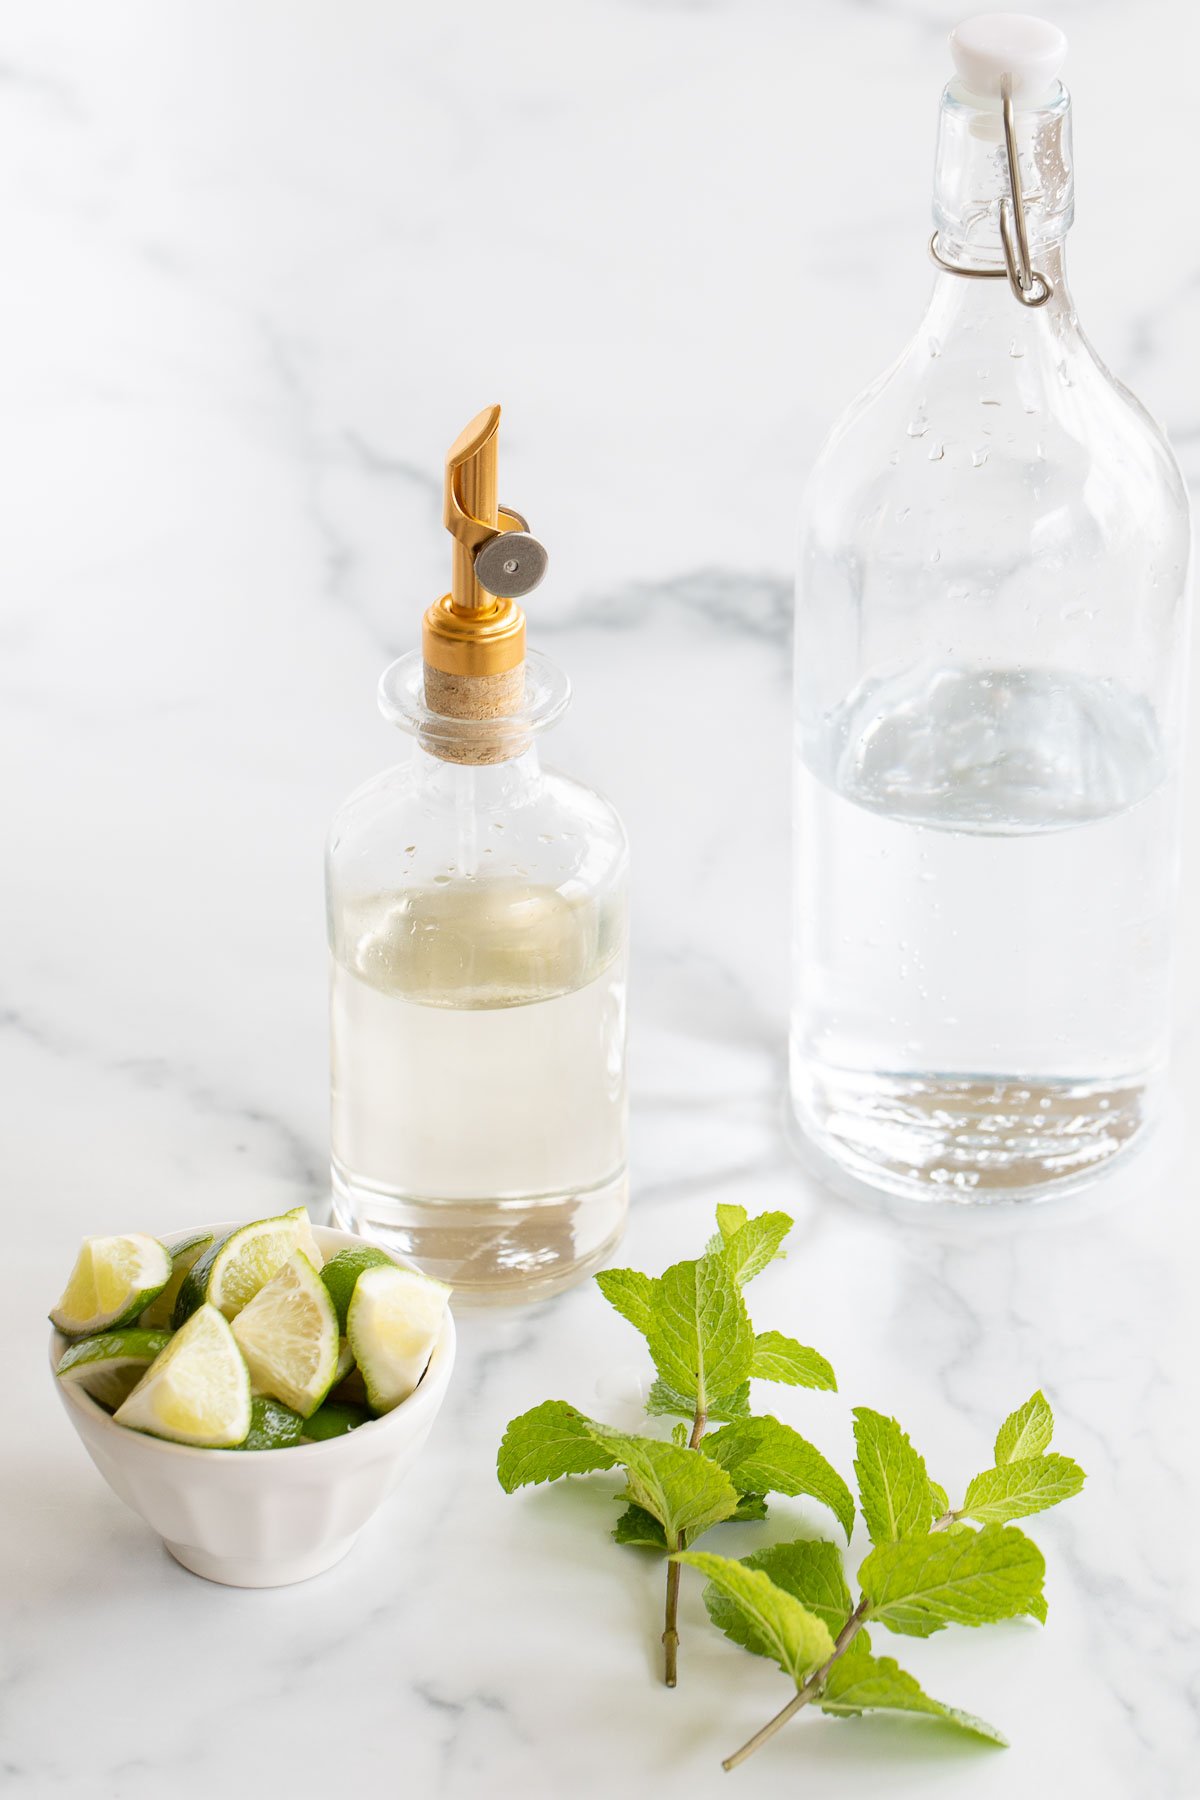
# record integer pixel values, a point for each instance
(262, 260)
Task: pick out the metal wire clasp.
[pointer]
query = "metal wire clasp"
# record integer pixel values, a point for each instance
(1028, 284)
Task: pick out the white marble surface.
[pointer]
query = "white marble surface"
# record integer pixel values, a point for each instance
(262, 259)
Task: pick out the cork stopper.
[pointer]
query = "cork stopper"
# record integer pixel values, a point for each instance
(473, 638)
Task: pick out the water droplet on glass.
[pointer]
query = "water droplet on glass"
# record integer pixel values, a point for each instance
(917, 428)
(979, 457)
(936, 452)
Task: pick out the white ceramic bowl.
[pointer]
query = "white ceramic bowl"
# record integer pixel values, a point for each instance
(261, 1518)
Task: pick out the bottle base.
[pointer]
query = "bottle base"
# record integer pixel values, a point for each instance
(500, 1252)
(969, 1140)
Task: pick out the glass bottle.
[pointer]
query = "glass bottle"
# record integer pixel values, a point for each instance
(991, 650)
(477, 909)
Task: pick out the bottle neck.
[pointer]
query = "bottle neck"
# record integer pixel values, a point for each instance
(991, 312)
(489, 787)
(971, 180)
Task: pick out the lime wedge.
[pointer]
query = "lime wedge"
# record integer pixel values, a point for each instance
(288, 1335)
(273, 1426)
(157, 1316)
(394, 1320)
(114, 1279)
(110, 1366)
(343, 1270)
(197, 1391)
(334, 1420)
(345, 1360)
(306, 1243)
(233, 1269)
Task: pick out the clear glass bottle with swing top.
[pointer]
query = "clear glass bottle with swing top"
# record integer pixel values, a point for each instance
(477, 907)
(991, 652)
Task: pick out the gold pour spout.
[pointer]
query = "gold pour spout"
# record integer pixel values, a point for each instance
(476, 629)
(471, 513)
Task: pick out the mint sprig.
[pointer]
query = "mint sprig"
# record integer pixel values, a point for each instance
(931, 1565)
(705, 1353)
(930, 1568)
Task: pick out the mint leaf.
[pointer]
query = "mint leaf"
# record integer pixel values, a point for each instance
(664, 1401)
(680, 1488)
(794, 1638)
(549, 1441)
(1037, 1608)
(730, 1220)
(766, 1456)
(810, 1571)
(893, 1485)
(940, 1498)
(641, 1529)
(859, 1682)
(699, 1335)
(755, 1244)
(952, 1578)
(631, 1293)
(1026, 1432)
(1016, 1489)
(779, 1358)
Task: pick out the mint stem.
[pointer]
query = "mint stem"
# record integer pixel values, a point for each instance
(670, 1636)
(817, 1680)
(809, 1691)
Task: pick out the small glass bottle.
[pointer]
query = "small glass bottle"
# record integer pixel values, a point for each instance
(477, 909)
(990, 681)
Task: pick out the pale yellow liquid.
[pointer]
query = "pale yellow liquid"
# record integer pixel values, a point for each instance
(479, 1095)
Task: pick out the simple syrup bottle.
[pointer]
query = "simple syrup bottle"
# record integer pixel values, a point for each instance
(991, 650)
(477, 909)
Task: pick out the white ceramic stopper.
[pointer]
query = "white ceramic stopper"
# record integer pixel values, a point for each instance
(992, 45)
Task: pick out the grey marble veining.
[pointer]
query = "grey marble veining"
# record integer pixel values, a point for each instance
(245, 246)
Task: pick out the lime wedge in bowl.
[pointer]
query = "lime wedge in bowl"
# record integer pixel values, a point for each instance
(273, 1426)
(109, 1366)
(197, 1391)
(334, 1419)
(288, 1335)
(113, 1281)
(342, 1271)
(184, 1255)
(393, 1324)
